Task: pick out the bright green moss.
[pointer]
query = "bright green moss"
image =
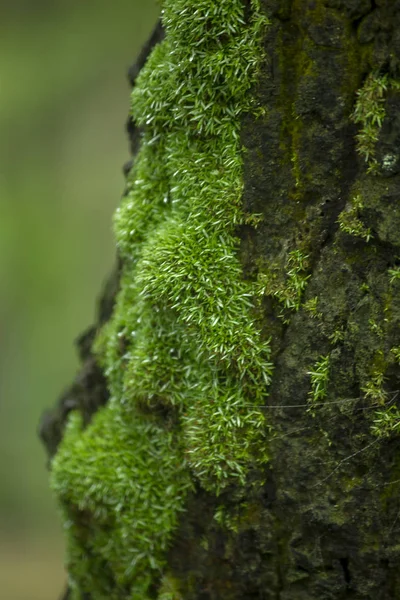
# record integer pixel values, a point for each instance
(373, 387)
(395, 351)
(369, 113)
(394, 275)
(118, 514)
(319, 380)
(186, 365)
(386, 422)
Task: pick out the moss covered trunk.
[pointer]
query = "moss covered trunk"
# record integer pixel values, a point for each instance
(234, 431)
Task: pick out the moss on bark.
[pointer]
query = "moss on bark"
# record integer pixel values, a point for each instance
(320, 520)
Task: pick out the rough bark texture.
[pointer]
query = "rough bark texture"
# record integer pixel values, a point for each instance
(322, 521)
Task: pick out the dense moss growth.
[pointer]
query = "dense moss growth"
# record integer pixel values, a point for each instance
(209, 474)
(369, 113)
(187, 367)
(120, 514)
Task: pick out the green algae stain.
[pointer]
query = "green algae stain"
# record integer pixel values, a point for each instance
(186, 365)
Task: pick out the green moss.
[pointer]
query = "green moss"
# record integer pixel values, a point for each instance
(396, 353)
(375, 327)
(169, 589)
(286, 286)
(369, 113)
(296, 67)
(74, 593)
(349, 221)
(373, 388)
(311, 306)
(186, 365)
(226, 520)
(239, 516)
(337, 336)
(394, 275)
(296, 172)
(118, 515)
(386, 422)
(319, 380)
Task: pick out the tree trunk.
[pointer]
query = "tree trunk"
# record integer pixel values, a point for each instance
(250, 338)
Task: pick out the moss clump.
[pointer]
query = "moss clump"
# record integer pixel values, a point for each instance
(118, 514)
(386, 422)
(319, 380)
(186, 365)
(74, 593)
(311, 306)
(394, 275)
(289, 289)
(373, 387)
(369, 113)
(169, 589)
(395, 351)
(350, 223)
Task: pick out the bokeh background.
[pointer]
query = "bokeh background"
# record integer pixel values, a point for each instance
(64, 99)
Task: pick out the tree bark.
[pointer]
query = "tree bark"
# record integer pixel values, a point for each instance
(321, 519)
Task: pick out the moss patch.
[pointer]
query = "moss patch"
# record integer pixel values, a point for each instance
(286, 287)
(118, 514)
(319, 379)
(350, 223)
(369, 113)
(186, 365)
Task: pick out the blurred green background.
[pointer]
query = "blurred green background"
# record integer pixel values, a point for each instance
(64, 99)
